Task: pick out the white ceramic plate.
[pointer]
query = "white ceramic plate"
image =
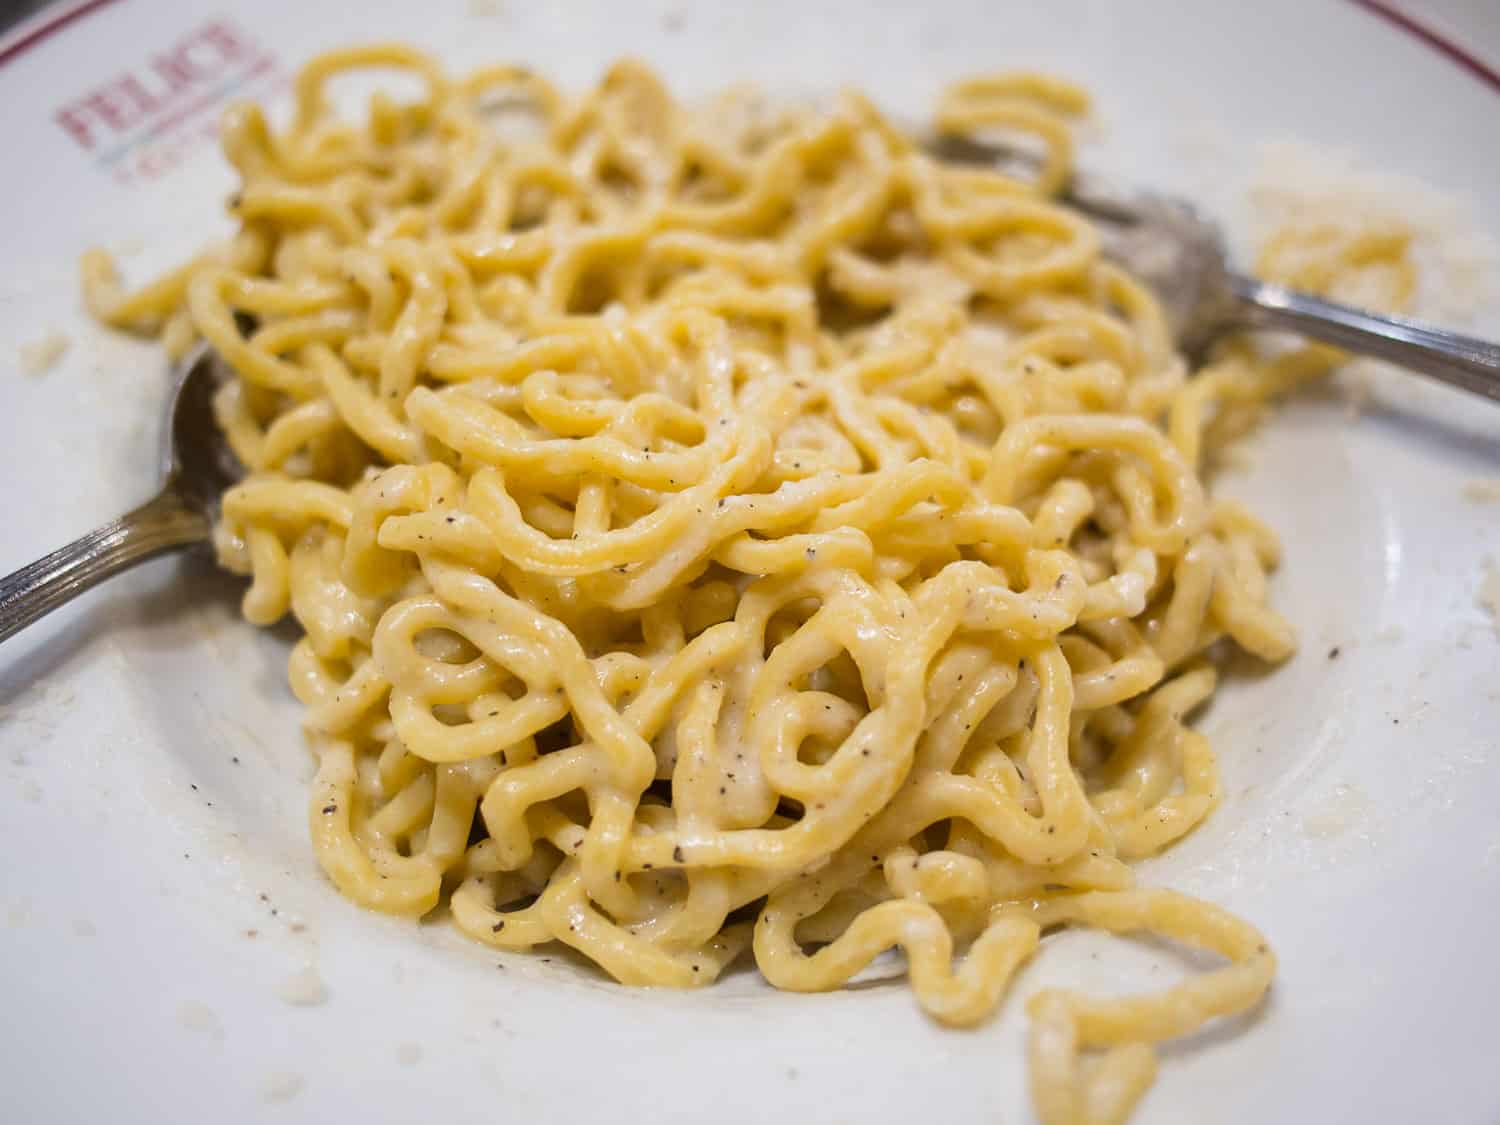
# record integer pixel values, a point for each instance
(157, 889)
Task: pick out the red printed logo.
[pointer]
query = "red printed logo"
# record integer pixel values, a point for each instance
(146, 121)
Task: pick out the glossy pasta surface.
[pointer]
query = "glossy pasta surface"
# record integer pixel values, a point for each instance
(727, 531)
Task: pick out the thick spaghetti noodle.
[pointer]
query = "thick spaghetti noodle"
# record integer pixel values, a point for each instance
(732, 529)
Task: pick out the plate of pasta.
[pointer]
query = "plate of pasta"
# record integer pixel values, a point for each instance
(727, 613)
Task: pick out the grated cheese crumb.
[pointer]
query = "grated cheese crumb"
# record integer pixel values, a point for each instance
(1483, 490)
(41, 356)
(304, 989)
(282, 1087)
(1489, 591)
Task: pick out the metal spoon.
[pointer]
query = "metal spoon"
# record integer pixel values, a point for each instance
(197, 466)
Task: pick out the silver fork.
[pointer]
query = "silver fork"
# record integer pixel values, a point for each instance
(1181, 256)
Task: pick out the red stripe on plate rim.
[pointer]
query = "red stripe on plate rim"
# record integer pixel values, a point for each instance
(48, 24)
(28, 36)
(1439, 43)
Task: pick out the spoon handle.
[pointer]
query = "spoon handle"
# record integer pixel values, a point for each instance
(163, 524)
(1450, 357)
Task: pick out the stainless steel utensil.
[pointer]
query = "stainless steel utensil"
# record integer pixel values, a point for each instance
(1180, 254)
(197, 466)
(1163, 241)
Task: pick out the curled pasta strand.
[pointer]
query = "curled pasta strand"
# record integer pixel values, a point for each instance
(729, 529)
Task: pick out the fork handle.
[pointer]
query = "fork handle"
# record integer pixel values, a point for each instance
(1450, 357)
(165, 523)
